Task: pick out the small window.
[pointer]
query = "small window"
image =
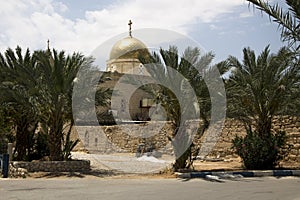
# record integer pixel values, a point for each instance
(146, 103)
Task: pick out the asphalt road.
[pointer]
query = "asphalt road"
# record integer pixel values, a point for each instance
(149, 189)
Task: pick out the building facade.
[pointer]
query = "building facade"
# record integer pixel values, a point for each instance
(124, 72)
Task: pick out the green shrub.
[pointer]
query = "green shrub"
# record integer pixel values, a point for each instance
(41, 148)
(68, 146)
(260, 152)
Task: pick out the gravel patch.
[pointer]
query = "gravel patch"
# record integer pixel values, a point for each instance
(125, 162)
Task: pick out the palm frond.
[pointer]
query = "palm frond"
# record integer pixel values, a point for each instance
(288, 21)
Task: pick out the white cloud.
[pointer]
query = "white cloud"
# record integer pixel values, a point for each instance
(60, 6)
(214, 27)
(246, 14)
(30, 23)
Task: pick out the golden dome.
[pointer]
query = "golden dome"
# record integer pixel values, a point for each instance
(128, 47)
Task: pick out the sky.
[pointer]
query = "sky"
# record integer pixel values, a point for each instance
(224, 27)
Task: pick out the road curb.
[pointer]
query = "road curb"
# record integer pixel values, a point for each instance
(276, 173)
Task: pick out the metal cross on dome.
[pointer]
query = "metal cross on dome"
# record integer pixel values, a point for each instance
(129, 24)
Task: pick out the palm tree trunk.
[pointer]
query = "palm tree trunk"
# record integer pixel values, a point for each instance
(22, 140)
(55, 145)
(182, 148)
(55, 138)
(21, 143)
(264, 127)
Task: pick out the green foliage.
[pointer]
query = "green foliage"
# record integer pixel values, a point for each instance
(40, 147)
(167, 66)
(57, 74)
(261, 87)
(37, 89)
(183, 102)
(18, 90)
(260, 152)
(288, 20)
(264, 86)
(68, 145)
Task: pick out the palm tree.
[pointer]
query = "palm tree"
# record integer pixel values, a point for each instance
(261, 87)
(58, 73)
(182, 90)
(37, 90)
(18, 90)
(288, 21)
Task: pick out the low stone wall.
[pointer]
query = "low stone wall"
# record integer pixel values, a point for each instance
(54, 166)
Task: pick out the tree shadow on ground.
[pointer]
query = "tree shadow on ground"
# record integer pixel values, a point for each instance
(92, 173)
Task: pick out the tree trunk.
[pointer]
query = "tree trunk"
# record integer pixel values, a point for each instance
(264, 127)
(182, 148)
(181, 162)
(55, 125)
(24, 139)
(55, 145)
(21, 143)
(55, 139)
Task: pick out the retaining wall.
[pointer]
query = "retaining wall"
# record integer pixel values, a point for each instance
(127, 137)
(291, 125)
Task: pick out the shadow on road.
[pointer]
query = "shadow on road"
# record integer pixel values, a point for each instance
(94, 173)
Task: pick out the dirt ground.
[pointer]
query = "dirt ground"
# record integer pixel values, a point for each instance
(232, 164)
(212, 165)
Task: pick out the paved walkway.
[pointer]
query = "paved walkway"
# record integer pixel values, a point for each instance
(126, 162)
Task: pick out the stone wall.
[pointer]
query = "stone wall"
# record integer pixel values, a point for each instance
(54, 166)
(291, 125)
(127, 137)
